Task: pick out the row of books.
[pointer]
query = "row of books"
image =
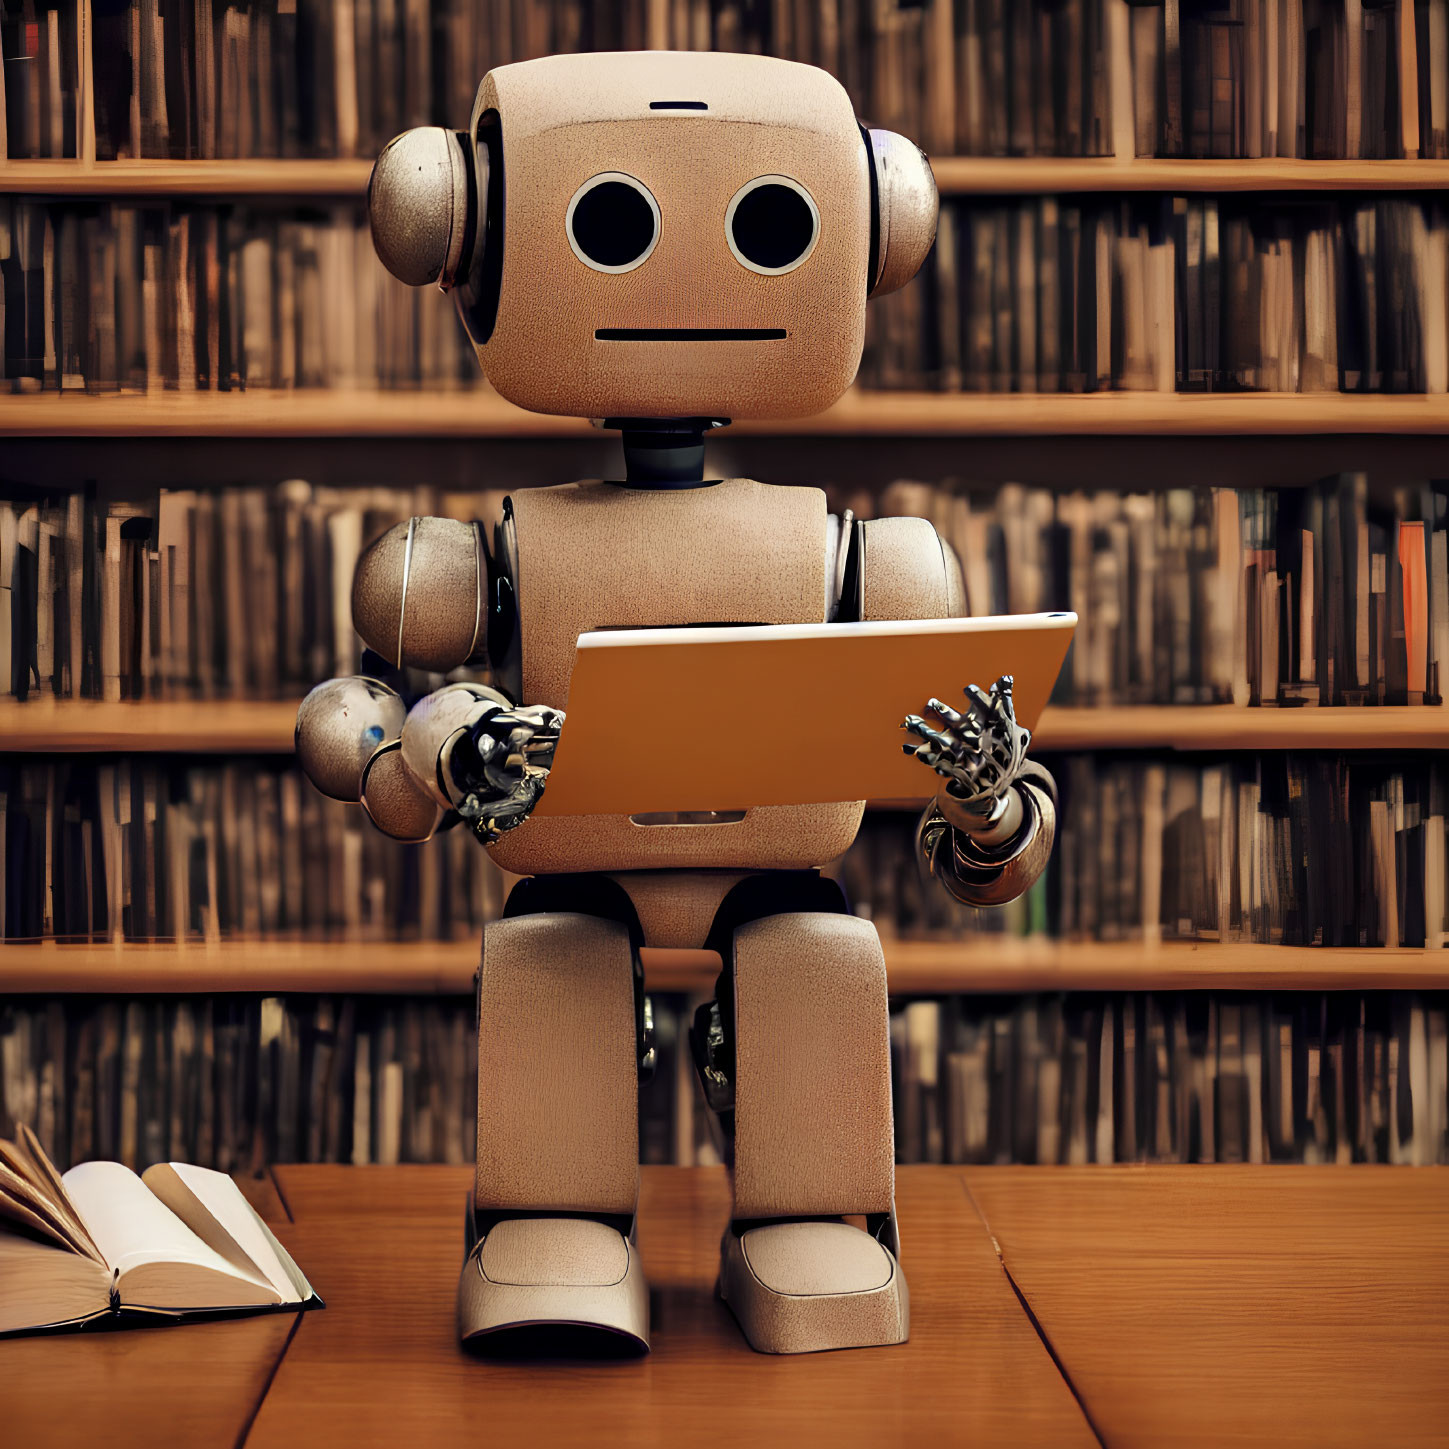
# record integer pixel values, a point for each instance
(41, 55)
(1311, 850)
(242, 591)
(1336, 594)
(117, 297)
(319, 77)
(1164, 293)
(1047, 294)
(1281, 849)
(1317, 78)
(993, 77)
(236, 1083)
(1174, 1077)
(142, 848)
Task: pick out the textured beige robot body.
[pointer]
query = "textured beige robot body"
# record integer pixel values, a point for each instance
(667, 242)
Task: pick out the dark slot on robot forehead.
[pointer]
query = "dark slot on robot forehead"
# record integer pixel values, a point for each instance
(690, 334)
(679, 105)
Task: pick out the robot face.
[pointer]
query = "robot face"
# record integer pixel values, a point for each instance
(682, 235)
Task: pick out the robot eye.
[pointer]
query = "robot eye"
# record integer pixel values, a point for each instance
(772, 225)
(612, 222)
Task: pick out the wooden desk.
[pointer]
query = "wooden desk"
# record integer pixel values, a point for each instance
(195, 1384)
(1185, 1306)
(1237, 1305)
(381, 1365)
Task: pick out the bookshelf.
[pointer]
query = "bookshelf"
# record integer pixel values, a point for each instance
(345, 177)
(266, 726)
(478, 413)
(1137, 439)
(927, 967)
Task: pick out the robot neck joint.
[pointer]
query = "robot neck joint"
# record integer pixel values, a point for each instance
(664, 452)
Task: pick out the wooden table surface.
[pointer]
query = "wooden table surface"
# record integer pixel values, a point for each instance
(382, 1366)
(1138, 1306)
(1237, 1305)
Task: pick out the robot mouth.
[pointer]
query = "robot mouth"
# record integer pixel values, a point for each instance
(689, 334)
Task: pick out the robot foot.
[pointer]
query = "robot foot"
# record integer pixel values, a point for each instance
(552, 1286)
(800, 1287)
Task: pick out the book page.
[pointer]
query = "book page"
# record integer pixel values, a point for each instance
(45, 1174)
(41, 1285)
(24, 1203)
(213, 1207)
(137, 1232)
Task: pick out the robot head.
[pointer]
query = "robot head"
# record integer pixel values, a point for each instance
(658, 234)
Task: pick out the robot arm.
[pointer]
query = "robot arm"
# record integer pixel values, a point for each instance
(988, 834)
(421, 598)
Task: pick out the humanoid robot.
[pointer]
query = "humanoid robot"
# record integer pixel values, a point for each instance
(664, 241)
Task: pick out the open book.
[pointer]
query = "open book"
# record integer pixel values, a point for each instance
(100, 1240)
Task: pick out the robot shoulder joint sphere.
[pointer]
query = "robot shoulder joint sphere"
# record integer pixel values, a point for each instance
(665, 242)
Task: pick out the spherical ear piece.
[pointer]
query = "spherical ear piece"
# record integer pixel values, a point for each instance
(906, 208)
(418, 201)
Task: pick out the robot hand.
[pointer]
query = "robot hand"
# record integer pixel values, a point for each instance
(498, 767)
(979, 755)
(463, 748)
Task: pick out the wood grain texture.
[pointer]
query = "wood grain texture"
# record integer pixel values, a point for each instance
(309, 180)
(381, 1365)
(477, 412)
(1237, 1305)
(955, 176)
(1027, 176)
(913, 968)
(265, 727)
(381, 967)
(181, 1385)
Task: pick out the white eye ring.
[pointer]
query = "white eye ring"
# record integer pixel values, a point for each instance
(634, 184)
(790, 184)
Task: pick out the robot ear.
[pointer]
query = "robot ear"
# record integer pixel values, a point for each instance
(422, 200)
(906, 204)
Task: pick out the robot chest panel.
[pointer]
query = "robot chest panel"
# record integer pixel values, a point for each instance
(599, 556)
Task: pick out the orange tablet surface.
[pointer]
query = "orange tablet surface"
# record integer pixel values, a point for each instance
(780, 714)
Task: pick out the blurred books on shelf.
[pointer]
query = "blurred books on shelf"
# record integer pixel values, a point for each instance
(236, 1083)
(139, 849)
(1282, 849)
(1172, 1077)
(160, 297)
(1332, 595)
(238, 592)
(1163, 293)
(1051, 295)
(41, 61)
(1234, 78)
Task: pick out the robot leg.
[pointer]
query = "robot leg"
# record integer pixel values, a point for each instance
(552, 1222)
(805, 1043)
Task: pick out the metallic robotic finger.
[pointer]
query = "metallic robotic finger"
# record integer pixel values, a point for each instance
(664, 242)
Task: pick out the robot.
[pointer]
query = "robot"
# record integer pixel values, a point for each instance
(665, 242)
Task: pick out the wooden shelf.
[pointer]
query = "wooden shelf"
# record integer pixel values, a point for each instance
(248, 727)
(1033, 175)
(480, 413)
(914, 967)
(345, 179)
(304, 180)
(182, 726)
